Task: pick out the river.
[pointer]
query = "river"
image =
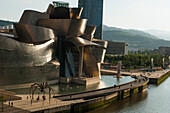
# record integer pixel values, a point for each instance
(156, 99)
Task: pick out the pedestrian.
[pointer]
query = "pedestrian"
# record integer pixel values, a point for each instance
(27, 97)
(12, 103)
(38, 98)
(9, 103)
(43, 98)
(139, 80)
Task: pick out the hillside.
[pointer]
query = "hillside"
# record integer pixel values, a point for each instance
(134, 40)
(137, 32)
(160, 33)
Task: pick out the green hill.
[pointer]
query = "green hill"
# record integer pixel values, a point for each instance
(134, 40)
(137, 32)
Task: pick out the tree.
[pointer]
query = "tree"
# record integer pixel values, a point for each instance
(2, 100)
(135, 66)
(126, 63)
(138, 60)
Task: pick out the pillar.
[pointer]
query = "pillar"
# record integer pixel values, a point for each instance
(81, 51)
(131, 92)
(120, 95)
(140, 89)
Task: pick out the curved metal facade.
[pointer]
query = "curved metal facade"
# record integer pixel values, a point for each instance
(16, 54)
(31, 17)
(22, 63)
(33, 34)
(58, 35)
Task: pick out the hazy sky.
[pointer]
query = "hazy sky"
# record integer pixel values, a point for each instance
(133, 14)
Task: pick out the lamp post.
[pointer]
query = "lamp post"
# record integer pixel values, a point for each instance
(168, 61)
(151, 63)
(119, 68)
(163, 60)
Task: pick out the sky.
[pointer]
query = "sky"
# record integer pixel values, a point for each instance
(129, 14)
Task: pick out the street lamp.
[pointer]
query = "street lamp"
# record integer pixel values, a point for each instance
(151, 63)
(163, 61)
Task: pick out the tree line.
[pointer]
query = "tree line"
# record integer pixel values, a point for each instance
(138, 60)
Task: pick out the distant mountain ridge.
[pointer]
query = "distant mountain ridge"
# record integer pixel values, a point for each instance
(137, 32)
(160, 33)
(135, 38)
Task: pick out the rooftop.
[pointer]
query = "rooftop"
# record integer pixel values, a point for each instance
(60, 2)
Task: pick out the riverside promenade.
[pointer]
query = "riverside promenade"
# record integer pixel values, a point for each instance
(112, 72)
(82, 101)
(9, 96)
(157, 77)
(154, 77)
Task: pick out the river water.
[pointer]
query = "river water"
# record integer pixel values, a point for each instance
(156, 99)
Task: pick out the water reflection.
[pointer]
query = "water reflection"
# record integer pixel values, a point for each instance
(106, 81)
(121, 104)
(155, 100)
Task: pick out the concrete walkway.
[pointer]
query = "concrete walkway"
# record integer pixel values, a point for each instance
(25, 106)
(9, 109)
(9, 95)
(156, 74)
(112, 72)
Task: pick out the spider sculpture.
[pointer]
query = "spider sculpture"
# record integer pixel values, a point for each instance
(41, 88)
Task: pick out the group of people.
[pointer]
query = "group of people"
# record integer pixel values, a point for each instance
(38, 98)
(88, 76)
(11, 103)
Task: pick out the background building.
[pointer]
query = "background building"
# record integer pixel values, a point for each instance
(93, 11)
(162, 50)
(60, 4)
(117, 48)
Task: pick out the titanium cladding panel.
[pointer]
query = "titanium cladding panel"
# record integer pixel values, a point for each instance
(33, 34)
(61, 26)
(31, 17)
(17, 54)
